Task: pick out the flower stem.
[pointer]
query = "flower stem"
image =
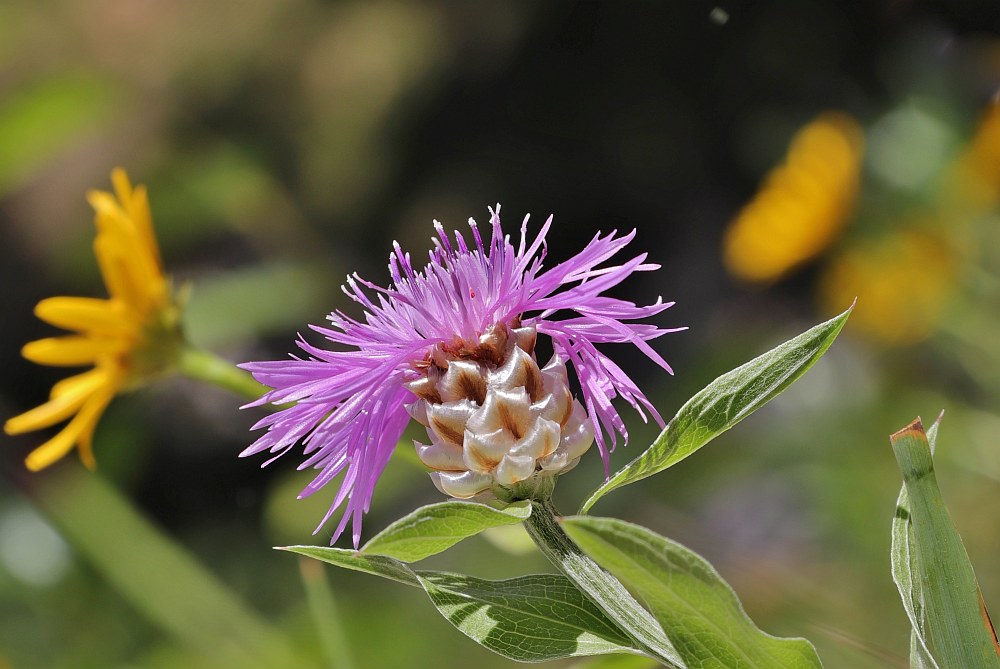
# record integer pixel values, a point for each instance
(599, 586)
(203, 366)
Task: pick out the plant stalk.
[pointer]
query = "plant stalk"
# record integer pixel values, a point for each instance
(599, 586)
(201, 365)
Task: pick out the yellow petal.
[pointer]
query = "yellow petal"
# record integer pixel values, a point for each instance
(126, 245)
(52, 450)
(85, 314)
(117, 218)
(112, 221)
(143, 219)
(111, 259)
(85, 447)
(85, 441)
(98, 376)
(146, 280)
(135, 204)
(121, 244)
(104, 203)
(80, 428)
(70, 351)
(73, 392)
(123, 187)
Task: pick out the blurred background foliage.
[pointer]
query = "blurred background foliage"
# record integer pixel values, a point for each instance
(778, 158)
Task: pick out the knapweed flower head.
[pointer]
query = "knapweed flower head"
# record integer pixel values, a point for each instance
(127, 337)
(453, 346)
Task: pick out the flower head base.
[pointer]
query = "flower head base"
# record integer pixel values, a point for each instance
(129, 337)
(454, 345)
(494, 418)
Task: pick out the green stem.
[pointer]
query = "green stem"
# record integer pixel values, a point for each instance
(599, 586)
(210, 368)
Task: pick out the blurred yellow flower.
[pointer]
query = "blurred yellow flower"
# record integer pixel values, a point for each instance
(803, 204)
(902, 283)
(128, 337)
(974, 179)
(906, 279)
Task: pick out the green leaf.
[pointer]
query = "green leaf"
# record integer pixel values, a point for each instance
(377, 565)
(529, 619)
(436, 527)
(697, 609)
(932, 569)
(905, 569)
(617, 662)
(725, 402)
(599, 586)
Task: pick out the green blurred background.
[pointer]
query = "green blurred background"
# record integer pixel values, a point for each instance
(287, 143)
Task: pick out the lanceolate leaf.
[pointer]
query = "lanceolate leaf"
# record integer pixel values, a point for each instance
(905, 569)
(725, 402)
(436, 527)
(377, 565)
(530, 618)
(943, 597)
(698, 610)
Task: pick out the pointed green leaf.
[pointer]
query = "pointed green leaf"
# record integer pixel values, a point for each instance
(698, 610)
(905, 569)
(376, 565)
(436, 527)
(725, 402)
(941, 594)
(529, 619)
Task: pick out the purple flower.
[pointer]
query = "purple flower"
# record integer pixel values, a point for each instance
(468, 305)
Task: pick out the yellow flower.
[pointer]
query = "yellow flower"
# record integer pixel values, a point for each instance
(973, 183)
(902, 282)
(803, 204)
(130, 336)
